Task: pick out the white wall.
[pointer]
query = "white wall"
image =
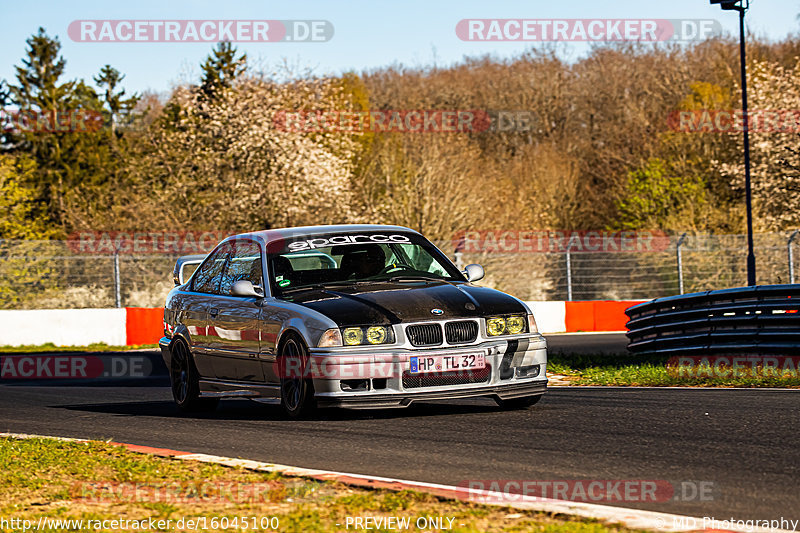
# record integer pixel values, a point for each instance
(551, 317)
(62, 327)
(79, 327)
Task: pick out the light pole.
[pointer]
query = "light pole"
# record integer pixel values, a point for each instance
(569, 272)
(680, 262)
(790, 253)
(741, 6)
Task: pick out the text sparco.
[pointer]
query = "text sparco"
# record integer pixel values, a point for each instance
(322, 242)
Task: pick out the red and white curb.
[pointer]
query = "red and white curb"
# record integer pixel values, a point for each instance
(632, 518)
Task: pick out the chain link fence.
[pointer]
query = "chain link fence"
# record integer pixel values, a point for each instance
(56, 275)
(689, 263)
(52, 275)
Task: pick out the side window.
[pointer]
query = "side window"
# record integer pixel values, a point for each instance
(208, 276)
(245, 263)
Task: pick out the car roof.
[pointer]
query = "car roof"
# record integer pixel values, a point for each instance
(301, 231)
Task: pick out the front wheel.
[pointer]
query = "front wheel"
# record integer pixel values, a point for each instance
(185, 381)
(518, 403)
(297, 390)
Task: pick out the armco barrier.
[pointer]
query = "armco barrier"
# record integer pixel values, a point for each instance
(144, 325)
(761, 320)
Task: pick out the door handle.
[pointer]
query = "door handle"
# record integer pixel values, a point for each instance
(213, 312)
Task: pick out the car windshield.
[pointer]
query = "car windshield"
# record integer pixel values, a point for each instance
(350, 259)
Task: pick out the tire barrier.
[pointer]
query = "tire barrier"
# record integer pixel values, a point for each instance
(760, 320)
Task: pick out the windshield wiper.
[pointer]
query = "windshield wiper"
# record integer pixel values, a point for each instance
(323, 286)
(415, 277)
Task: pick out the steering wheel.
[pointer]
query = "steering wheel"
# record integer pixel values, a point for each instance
(393, 266)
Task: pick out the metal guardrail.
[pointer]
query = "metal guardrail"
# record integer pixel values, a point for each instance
(747, 320)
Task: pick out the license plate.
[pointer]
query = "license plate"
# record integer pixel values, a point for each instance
(447, 363)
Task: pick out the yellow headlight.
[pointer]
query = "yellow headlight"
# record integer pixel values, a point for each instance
(495, 326)
(376, 335)
(515, 324)
(353, 336)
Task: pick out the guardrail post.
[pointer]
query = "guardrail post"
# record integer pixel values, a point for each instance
(790, 253)
(680, 262)
(117, 299)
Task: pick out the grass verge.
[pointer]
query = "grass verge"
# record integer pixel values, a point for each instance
(654, 371)
(99, 481)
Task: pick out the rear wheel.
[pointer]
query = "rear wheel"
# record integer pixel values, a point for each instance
(518, 403)
(186, 381)
(297, 391)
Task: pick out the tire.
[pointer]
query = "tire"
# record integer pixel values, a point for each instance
(518, 403)
(185, 381)
(297, 391)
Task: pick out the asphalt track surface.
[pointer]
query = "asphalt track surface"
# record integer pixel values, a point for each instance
(740, 443)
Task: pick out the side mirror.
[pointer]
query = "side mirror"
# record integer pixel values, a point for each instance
(245, 287)
(474, 272)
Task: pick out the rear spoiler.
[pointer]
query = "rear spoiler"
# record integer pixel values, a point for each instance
(182, 262)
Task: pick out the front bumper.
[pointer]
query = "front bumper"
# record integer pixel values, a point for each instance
(378, 377)
(505, 392)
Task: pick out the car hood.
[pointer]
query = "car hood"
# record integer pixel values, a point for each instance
(395, 302)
